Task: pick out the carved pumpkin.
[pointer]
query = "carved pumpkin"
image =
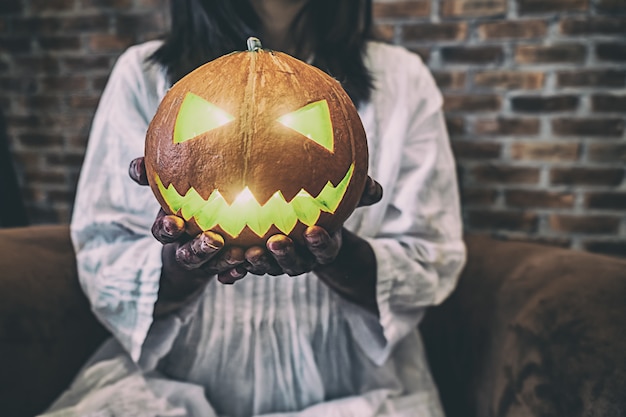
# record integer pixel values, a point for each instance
(257, 143)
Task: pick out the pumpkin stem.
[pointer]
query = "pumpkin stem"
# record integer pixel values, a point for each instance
(254, 44)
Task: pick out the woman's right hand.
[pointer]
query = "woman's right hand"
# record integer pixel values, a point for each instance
(188, 262)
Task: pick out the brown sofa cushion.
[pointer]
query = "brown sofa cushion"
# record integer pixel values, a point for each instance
(46, 328)
(532, 331)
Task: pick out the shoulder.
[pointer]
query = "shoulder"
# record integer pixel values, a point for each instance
(135, 74)
(137, 55)
(383, 56)
(401, 76)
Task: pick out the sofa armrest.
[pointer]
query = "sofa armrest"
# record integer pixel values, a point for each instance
(531, 330)
(47, 330)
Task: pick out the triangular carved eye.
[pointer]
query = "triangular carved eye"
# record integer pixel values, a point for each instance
(312, 121)
(197, 116)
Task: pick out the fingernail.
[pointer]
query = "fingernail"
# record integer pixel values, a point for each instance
(314, 238)
(167, 227)
(277, 247)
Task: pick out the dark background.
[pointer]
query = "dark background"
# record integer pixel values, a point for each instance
(535, 97)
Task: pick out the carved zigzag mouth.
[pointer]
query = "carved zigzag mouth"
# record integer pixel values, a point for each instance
(245, 210)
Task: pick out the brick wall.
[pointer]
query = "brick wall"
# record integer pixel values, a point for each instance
(535, 95)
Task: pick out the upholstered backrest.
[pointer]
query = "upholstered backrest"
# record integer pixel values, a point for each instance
(531, 330)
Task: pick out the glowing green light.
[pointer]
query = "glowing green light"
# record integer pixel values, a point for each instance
(246, 211)
(197, 116)
(312, 121)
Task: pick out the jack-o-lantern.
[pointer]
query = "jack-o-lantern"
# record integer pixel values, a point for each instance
(257, 143)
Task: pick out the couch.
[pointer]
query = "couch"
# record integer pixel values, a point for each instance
(530, 330)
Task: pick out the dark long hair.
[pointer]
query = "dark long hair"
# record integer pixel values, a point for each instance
(203, 30)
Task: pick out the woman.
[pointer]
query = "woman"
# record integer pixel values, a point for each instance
(338, 339)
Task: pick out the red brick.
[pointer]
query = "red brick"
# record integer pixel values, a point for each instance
(41, 102)
(88, 103)
(422, 51)
(40, 140)
(502, 79)
(607, 152)
(78, 141)
(450, 80)
(434, 32)
(611, 6)
(593, 26)
(402, 9)
(48, 177)
(22, 85)
(498, 220)
(587, 176)
(507, 126)
(543, 6)
(514, 29)
(384, 31)
(476, 150)
(555, 151)
(607, 247)
(542, 104)
(588, 224)
(15, 44)
(592, 78)
(455, 125)
(478, 196)
(503, 174)
(539, 199)
(472, 54)
(611, 52)
(606, 200)
(536, 54)
(98, 83)
(611, 127)
(87, 63)
(135, 23)
(62, 25)
(59, 43)
(471, 103)
(609, 103)
(106, 42)
(473, 8)
(62, 84)
(19, 121)
(62, 160)
(34, 65)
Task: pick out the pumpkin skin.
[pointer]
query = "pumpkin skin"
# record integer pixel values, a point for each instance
(261, 148)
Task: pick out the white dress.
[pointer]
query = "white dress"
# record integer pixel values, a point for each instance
(270, 346)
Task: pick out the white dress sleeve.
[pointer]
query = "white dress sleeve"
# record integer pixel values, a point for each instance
(119, 262)
(416, 230)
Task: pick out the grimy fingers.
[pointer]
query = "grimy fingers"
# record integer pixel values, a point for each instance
(199, 250)
(232, 275)
(260, 262)
(284, 252)
(137, 171)
(229, 258)
(167, 228)
(323, 246)
(372, 193)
